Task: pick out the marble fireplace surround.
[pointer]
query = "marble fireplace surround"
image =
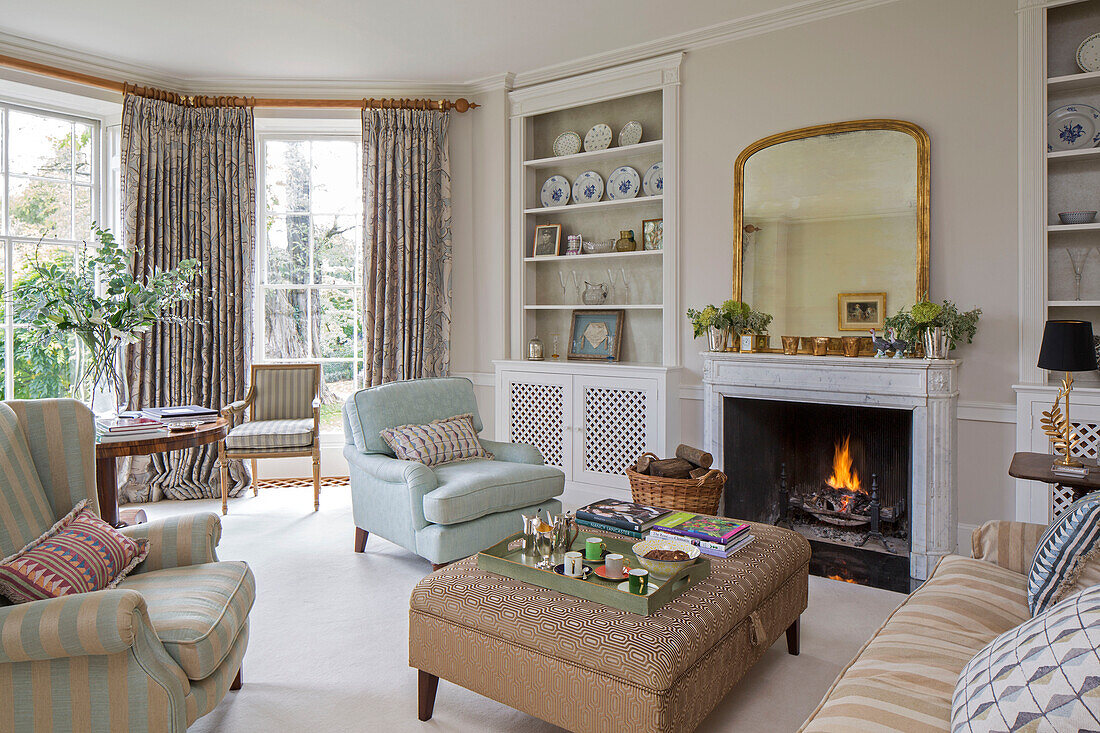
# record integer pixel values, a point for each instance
(928, 387)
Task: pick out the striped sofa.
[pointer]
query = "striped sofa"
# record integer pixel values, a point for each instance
(903, 678)
(153, 654)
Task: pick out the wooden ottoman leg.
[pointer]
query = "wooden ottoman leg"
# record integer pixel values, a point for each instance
(426, 684)
(360, 539)
(255, 478)
(238, 681)
(792, 637)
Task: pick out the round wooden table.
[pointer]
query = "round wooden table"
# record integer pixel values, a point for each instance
(106, 478)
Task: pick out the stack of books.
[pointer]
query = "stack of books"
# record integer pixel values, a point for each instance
(112, 430)
(620, 517)
(181, 413)
(715, 536)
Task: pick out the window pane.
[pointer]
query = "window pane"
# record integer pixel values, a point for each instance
(288, 249)
(333, 320)
(335, 249)
(82, 213)
(43, 368)
(41, 146)
(286, 175)
(335, 177)
(338, 382)
(285, 324)
(82, 152)
(40, 208)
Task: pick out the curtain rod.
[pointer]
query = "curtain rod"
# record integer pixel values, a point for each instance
(459, 105)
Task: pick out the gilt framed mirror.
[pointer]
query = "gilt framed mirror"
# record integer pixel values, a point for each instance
(831, 225)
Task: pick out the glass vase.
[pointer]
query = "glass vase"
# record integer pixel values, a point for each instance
(103, 385)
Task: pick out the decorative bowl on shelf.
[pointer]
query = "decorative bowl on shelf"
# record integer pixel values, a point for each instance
(597, 248)
(1077, 217)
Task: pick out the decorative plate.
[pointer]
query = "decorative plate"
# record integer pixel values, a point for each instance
(588, 188)
(1072, 127)
(623, 183)
(598, 138)
(631, 134)
(653, 184)
(567, 143)
(555, 191)
(1088, 53)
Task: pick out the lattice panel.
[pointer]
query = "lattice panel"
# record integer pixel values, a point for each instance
(1087, 446)
(614, 428)
(537, 418)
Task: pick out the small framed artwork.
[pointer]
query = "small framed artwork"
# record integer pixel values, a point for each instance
(652, 233)
(860, 311)
(596, 334)
(547, 240)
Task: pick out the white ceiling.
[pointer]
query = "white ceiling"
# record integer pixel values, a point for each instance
(438, 41)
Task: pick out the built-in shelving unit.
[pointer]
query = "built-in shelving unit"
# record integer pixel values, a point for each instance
(601, 256)
(595, 155)
(594, 206)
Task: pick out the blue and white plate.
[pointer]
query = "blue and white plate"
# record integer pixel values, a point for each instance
(588, 188)
(1072, 127)
(567, 143)
(555, 191)
(653, 182)
(623, 183)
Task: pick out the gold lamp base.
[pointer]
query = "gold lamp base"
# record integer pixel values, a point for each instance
(1058, 428)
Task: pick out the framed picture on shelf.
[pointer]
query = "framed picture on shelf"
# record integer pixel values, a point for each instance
(596, 334)
(860, 311)
(652, 234)
(547, 241)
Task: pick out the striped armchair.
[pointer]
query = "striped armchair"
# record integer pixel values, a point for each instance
(153, 654)
(284, 404)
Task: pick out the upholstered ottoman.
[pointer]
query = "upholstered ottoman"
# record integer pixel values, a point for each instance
(587, 667)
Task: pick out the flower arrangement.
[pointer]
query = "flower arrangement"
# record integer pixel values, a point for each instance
(710, 317)
(745, 319)
(925, 316)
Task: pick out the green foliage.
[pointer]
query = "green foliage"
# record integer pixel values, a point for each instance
(925, 315)
(733, 314)
(924, 312)
(709, 317)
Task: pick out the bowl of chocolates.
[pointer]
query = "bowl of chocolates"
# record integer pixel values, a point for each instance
(665, 557)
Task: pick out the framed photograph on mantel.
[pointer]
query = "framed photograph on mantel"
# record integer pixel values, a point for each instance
(596, 334)
(547, 241)
(860, 311)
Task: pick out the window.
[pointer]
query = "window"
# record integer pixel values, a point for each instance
(310, 285)
(48, 201)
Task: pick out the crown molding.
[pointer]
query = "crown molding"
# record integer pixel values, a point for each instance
(496, 82)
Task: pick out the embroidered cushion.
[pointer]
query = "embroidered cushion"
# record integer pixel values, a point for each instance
(1071, 542)
(1043, 675)
(440, 441)
(80, 553)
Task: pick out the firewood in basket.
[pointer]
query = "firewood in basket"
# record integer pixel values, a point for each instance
(699, 472)
(642, 466)
(693, 455)
(671, 468)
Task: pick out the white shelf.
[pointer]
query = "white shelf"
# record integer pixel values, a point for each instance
(1073, 303)
(1074, 82)
(581, 306)
(597, 256)
(594, 206)
(1073, 227)
(622, 152)
(1080, 153)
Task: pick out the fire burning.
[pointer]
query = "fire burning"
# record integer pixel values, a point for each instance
(844, 477)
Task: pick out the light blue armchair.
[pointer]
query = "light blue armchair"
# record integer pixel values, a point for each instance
(446, 512)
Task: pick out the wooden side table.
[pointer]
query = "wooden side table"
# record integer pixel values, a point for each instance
(106, 455)
(1036, 467)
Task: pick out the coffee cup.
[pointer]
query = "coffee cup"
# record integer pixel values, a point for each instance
(639, 581)
(613, 565)
(574, 564)
(593, 548)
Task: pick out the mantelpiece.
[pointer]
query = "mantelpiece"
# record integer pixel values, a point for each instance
(927, 387)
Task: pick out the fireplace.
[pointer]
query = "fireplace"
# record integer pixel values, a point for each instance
(837, 474)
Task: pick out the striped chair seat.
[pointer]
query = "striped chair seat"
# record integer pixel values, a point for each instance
(197, 610)
(258, 435)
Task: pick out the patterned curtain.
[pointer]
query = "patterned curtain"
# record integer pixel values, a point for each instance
(407, 238)
(189, 191)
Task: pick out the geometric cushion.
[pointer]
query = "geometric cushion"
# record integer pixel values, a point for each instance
(197, 610)
(471, 489)
(440, 441)
(25, 511)
(1067, 545)
(1043, 675)
(79, 554)
(261, 434)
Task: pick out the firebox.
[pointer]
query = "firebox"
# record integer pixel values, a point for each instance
(837, 474)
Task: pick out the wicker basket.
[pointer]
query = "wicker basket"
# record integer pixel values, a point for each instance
(699, 495)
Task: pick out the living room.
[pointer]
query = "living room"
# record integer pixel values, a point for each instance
(343, 328)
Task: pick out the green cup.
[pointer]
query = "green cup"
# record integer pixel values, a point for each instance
(639, 581)
(593, 549)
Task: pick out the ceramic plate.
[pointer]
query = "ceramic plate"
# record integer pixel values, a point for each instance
(601, 570)
(623, 183)
(653, 183)
(560, 570)
(567, 143)
(598, 138)
(1088, 53)
(631, 134)
(1073, 126)
(588, 188)
(555, 191)
(649, 591)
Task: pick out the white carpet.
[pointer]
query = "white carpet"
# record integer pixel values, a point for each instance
(329, 638)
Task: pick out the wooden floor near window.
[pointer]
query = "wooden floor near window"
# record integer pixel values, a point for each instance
(300, 483)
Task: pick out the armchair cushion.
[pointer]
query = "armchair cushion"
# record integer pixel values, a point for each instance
(197, 610)
(186, 539)
(1068, 546)
(438, 442)
(284, 392)
(261, 434)
(471, 489)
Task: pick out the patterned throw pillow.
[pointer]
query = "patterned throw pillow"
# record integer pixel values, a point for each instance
(1043, 675)
(80, 553)
(1071, 541)
(440, 441)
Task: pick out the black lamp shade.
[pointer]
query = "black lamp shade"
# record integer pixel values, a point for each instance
(1067, 347)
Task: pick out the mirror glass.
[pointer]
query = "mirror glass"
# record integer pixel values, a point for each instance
(834, 229)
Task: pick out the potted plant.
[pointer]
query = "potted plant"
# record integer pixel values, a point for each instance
(713, 322)
(941, 326)
(745, 321)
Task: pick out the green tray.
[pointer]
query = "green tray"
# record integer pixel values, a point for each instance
(520, 566)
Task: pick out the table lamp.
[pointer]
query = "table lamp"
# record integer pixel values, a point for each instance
(1067, 347)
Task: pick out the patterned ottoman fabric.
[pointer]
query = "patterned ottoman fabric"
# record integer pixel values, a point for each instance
(589, 667)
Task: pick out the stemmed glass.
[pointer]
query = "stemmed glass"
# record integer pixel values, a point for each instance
(1077, 257)
(544, 545)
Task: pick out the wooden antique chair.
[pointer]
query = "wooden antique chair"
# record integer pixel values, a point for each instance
(284, 417)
